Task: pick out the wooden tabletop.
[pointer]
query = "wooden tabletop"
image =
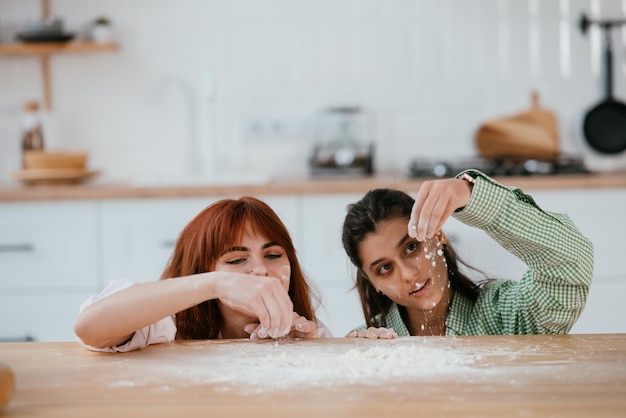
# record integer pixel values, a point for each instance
(488, 376)
(291, 186)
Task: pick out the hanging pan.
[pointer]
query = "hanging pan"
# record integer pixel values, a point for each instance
(604, 125)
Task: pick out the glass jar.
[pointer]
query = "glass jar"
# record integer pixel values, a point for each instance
(32, 131)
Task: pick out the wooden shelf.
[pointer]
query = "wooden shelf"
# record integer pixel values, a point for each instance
(43, 50)
(49, 48)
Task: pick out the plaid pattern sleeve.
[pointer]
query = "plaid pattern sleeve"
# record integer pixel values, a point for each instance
(552, 293)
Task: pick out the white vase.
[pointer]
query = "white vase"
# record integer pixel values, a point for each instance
(101, 33)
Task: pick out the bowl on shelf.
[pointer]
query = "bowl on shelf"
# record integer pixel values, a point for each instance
(48, 29)
(54, 167)
(42, 36)
(51, 160)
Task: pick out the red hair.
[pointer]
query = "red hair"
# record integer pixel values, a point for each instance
(200, 244)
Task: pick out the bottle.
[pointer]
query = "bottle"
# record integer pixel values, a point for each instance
(32, 133)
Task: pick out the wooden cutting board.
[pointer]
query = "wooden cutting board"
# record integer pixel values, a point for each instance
(530, 134)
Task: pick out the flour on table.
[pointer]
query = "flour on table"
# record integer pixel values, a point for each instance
(286, 364)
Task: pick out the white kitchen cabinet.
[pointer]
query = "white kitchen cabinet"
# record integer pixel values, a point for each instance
(325, 262)
(138, 235)
(599, 214)
(41, 316)
(48, 256)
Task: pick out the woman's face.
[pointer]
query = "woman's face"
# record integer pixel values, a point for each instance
(257, 255)
(411, 273)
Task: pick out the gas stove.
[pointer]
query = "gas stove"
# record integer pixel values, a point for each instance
(560, 165)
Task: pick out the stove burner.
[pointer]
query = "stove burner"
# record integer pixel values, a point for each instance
(562, 164)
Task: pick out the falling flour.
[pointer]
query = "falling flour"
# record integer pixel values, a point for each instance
(274, 365)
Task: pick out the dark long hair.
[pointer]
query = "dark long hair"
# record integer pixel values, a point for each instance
(200, 244)
(363, 217)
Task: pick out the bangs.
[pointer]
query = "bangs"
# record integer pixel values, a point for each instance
(232, 224)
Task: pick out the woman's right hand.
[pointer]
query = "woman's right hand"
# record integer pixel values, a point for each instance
(263, 297)
(373, 333)
(435, 202)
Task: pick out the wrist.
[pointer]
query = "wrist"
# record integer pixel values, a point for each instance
(469, 182)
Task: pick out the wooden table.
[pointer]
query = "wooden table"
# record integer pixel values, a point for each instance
(487, 376)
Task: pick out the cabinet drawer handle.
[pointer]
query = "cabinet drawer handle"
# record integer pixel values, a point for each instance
(17, 248)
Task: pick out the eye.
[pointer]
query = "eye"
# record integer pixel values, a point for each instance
(383, 269)
(411, 248)
(274, 253)
(235, 261)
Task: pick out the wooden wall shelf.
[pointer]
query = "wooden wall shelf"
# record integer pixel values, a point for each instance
(49, 48)
(43, 50)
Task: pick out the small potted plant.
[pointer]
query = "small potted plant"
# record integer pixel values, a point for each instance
(101, 30)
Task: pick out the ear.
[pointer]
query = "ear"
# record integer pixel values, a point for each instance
(441, 237)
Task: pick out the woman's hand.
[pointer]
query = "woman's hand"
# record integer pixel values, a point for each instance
(374, 333)
(300, 328)
(262, 297)
(436, 200)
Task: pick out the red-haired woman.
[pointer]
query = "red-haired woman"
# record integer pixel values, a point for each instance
(234, 273)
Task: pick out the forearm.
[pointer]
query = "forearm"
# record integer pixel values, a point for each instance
(113, 319)
(548, 243)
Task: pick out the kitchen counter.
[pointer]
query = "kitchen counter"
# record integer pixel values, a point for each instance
(290, 186)
(488, 376)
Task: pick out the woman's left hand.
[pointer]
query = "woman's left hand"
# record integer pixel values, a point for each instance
(373, 333)
(300, 328)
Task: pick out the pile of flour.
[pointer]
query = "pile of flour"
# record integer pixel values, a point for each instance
(286, 364)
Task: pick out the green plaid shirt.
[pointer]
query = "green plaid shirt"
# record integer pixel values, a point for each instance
(550, 296)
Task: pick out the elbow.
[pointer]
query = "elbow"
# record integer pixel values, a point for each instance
(82, 331)
(88, 333)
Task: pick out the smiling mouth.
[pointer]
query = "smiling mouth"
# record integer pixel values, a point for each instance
(417, 287)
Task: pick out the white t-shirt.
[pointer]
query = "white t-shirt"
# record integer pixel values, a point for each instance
(161, 331)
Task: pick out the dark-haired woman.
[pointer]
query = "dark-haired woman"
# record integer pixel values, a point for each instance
(233, 274)
(408, 275)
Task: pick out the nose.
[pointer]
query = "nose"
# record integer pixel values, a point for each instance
(258, 268)
(408, 272)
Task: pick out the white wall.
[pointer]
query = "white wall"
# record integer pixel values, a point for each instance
(429, 71)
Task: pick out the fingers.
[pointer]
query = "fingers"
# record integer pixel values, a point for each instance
(262, 297)
(436, 200)
(253, 330)
(420, 213)
(279, 308)
(302, 327)
(373, 333)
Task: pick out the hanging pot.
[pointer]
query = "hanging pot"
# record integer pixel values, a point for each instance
(604, 125)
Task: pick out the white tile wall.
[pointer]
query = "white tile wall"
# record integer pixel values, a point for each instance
(429, 71)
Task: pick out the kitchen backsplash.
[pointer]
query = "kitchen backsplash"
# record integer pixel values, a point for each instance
(200, 87)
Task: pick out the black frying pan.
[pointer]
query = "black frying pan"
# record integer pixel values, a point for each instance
(605, 124)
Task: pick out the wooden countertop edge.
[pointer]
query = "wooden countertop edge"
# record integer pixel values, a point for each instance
(304, 186)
